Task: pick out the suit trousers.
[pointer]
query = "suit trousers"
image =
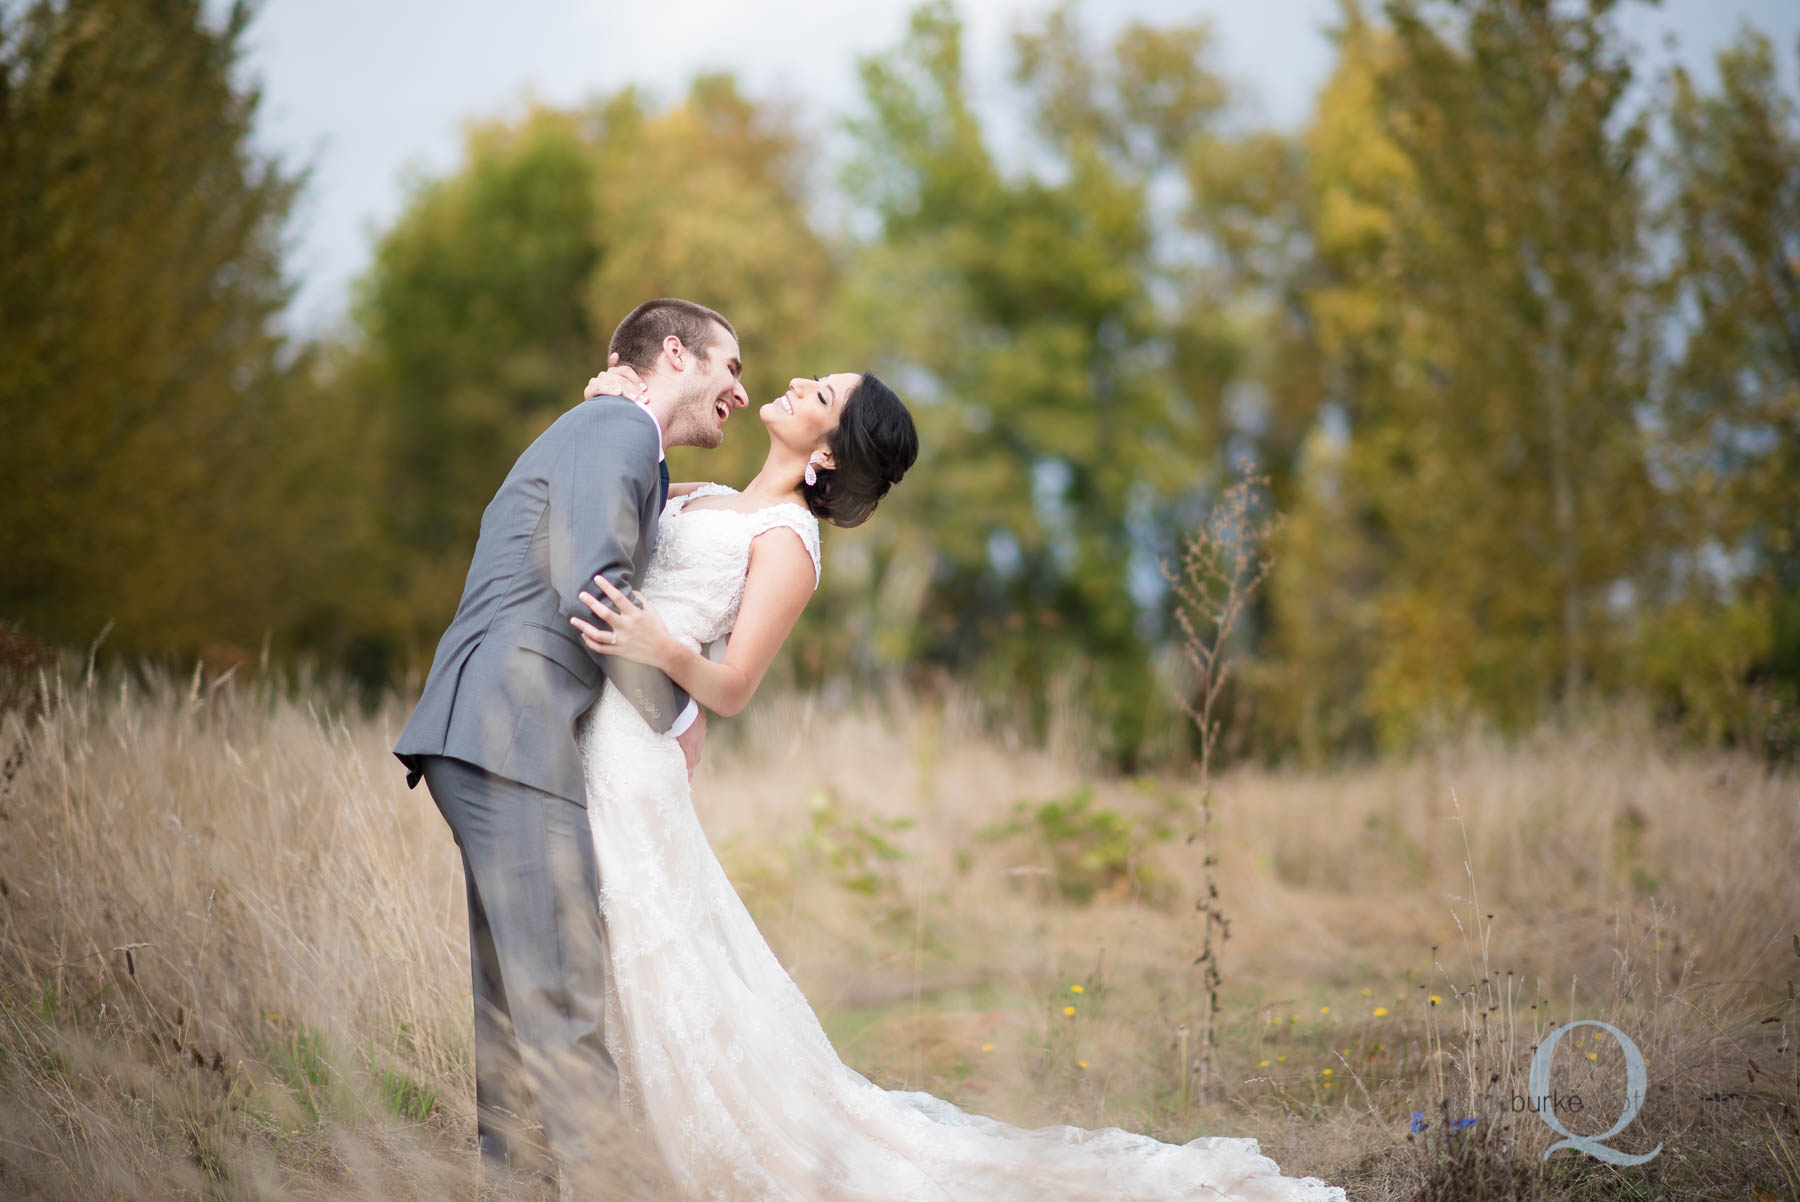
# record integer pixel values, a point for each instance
(546, 1089)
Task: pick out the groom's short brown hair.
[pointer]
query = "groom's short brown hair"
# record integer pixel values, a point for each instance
(639, 338)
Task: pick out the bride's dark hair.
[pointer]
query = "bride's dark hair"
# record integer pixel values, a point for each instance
(872, 447)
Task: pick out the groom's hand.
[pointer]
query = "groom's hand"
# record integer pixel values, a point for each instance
(690, 740)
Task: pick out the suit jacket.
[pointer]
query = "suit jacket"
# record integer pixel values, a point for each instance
(510, 675)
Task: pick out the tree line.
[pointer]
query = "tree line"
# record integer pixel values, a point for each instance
(1512, 328)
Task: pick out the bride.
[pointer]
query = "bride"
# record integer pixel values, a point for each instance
(720, 1057)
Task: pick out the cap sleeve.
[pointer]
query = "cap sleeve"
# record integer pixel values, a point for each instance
(801, 522)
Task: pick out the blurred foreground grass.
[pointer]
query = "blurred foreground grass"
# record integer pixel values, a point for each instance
(233, 961)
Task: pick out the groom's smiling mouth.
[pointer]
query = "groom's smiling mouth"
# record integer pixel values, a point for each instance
(722, 407)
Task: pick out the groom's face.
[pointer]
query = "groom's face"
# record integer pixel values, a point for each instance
(710, 391)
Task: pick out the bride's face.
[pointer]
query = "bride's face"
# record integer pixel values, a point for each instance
(804, 416)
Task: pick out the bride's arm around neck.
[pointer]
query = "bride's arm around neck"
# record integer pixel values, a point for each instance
(779, 582)
(682, 488)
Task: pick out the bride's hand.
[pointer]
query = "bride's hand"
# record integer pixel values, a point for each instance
(617, 380)
(637, 631)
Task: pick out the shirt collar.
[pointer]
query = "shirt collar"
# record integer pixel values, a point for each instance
(645, 406)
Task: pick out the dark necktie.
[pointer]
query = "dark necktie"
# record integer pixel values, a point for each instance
(662, 488)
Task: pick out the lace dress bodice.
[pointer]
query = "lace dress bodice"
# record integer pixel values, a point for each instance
(722, 1062)
(696, 573)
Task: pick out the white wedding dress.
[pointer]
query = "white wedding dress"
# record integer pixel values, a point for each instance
(721, 1058)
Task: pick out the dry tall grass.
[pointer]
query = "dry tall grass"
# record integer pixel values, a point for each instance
(233, 963)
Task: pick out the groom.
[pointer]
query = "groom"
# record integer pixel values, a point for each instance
(494, 733)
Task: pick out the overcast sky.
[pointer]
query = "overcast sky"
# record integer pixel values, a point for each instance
(368, 91)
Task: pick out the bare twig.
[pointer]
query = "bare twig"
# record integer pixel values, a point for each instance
(1220, 569)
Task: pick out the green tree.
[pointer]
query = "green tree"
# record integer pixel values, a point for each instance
(1485, 312)
(1730, 404)
(1335, 342)
(715, 199)
(473, 338)
(142, 378)
(1021, 307)
(492, 298)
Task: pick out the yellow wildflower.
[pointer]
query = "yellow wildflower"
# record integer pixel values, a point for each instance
(1068, 1009)
(1381, 1012)
(1076, 989)
(1435, 999)
(1325, 1073)
(1262, 1064)
(1081, 1064)
(987, 1047)
(1324, 1009)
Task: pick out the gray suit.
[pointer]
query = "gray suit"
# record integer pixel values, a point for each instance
(511, 675)
(494, 738)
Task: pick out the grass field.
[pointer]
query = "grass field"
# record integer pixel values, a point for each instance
(233, 959)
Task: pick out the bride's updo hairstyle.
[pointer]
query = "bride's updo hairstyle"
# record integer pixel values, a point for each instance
(872, 447)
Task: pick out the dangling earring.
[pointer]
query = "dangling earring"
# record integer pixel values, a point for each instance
(812, 477)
